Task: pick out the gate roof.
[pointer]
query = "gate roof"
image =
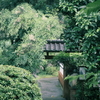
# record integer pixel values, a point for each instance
(54, 46)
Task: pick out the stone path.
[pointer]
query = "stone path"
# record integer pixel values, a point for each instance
(51, 89)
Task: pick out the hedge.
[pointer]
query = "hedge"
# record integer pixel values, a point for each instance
(17, 84)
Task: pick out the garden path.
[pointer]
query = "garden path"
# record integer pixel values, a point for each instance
(51, 89)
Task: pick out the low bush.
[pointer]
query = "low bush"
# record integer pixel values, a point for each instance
(17, 84)
(51, 70)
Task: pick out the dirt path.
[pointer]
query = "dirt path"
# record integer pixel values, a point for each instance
(51, 89)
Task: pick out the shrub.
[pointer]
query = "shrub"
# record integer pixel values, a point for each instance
(17, 84)
(51, 70)
(67, 60)
(79, 59)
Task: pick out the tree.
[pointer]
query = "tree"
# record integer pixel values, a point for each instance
(26, 31)
(69, 8)
(82, 33)
(46, 6)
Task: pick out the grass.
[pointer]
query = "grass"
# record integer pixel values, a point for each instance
(44, 75)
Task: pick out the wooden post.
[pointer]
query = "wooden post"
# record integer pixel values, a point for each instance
(66, 89)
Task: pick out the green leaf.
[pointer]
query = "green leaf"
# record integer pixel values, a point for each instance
(92, 7)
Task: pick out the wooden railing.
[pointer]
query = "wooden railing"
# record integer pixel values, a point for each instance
(61, 78)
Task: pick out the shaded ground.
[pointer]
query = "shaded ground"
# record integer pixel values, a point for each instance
(51, 89)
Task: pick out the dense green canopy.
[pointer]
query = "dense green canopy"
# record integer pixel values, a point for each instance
(82, 33)
(23, 33)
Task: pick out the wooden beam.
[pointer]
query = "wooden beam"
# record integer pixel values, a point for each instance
(49, 57)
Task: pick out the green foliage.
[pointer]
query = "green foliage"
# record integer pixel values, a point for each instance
(92, 7)
(23, 33)
(88, 88)
(67, 60)
(44, 64)
(86, 92)
(91, 39)
(70, 7)
(82, 34)
(9, 4)
(79, 59)
(73, 34)
(46, 6)
(51, 70)
(17, 84)
(27, 31)
(62, 57)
